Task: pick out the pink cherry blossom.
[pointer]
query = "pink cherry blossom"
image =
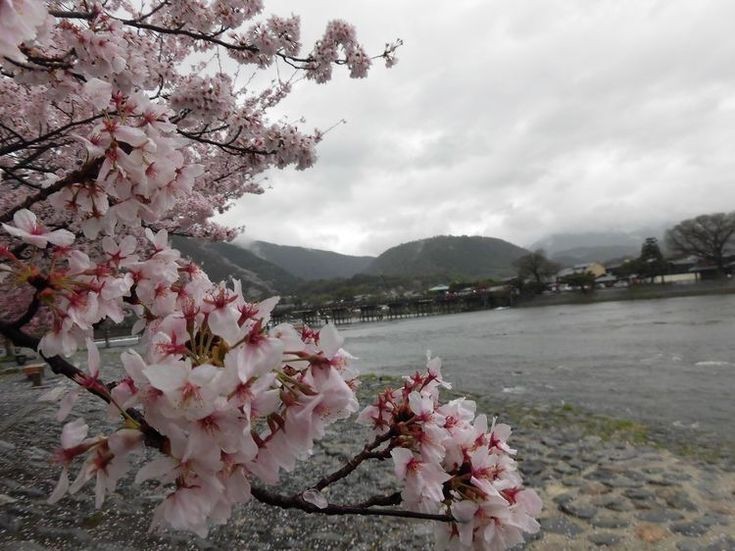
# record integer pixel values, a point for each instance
(30, 230)
(121, 128)
(19, 22)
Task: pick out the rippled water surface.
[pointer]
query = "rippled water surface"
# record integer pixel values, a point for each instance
(669, 360)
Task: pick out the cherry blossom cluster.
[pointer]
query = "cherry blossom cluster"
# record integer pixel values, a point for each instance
(109, 143)
(327, 51)
(204, 98)
(450, 461)
(234, 399)
(142, 171)
(274, 35)
(74, 83)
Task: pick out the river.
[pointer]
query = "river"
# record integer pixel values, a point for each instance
(668, 360)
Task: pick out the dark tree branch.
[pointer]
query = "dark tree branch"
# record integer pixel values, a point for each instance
(11, 173)
(86, 172)
(60, 366)
(27, 143)
(384, 501)
(227, 147)
(352, 464)
(298, 502)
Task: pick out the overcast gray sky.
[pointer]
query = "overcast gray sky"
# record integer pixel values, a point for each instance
(513, 119)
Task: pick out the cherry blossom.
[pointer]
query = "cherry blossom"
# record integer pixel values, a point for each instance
(30, 230)
(120, 127)
(19, 22)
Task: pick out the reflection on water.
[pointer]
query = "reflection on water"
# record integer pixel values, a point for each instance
(668, 360)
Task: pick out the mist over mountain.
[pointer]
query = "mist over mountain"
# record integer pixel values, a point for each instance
(575, 248)
(310, 264)
(472, 257)
(561, 242)
(583, 255)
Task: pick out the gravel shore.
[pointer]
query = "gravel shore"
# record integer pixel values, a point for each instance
(605, 482)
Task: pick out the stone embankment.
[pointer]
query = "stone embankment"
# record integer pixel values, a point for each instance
(605, 483)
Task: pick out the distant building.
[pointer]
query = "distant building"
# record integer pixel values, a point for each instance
(683, 265)
(594, 268)
(698, 269)
(689, 277)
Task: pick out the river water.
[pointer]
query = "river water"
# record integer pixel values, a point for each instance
(665, 360)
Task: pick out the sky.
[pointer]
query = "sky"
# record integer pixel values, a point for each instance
(514, 119)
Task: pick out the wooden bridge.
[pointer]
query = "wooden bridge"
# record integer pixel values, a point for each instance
(355, 312)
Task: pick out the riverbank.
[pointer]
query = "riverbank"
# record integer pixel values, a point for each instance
(604, 482)
(637, 292)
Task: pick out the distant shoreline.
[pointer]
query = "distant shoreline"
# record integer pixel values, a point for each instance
(642, 292)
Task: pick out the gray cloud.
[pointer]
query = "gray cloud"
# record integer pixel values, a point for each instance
(513, 119)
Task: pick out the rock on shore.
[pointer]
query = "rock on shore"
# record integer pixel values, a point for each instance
(603, 484)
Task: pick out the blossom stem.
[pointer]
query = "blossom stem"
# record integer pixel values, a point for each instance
(297, 502)
(367, 453)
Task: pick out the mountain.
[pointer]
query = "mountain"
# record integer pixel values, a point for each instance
(581, 255)
(310, 264)
(472, 257)
(576, 248)
(222, 260)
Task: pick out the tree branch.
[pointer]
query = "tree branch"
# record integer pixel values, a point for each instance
(298, 502)
(352, 464)
(60, 366)
(27, 143)
(227, 147)
(84, 173)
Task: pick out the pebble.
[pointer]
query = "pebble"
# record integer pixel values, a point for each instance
(659, 516)
(619, 504)
(532, 466)
(623, 455)
(723, 543)
(604, 538)
(579, 510)
(9, 523)
(638, 494)
(711, 519)
(651, 533)
(607, 521)
(561, 525)
(623, 482)
(661, 480)
(6, 500)
(689, 528)
(564, 468)
(564, 498)
(680, 500)
(573, 481)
